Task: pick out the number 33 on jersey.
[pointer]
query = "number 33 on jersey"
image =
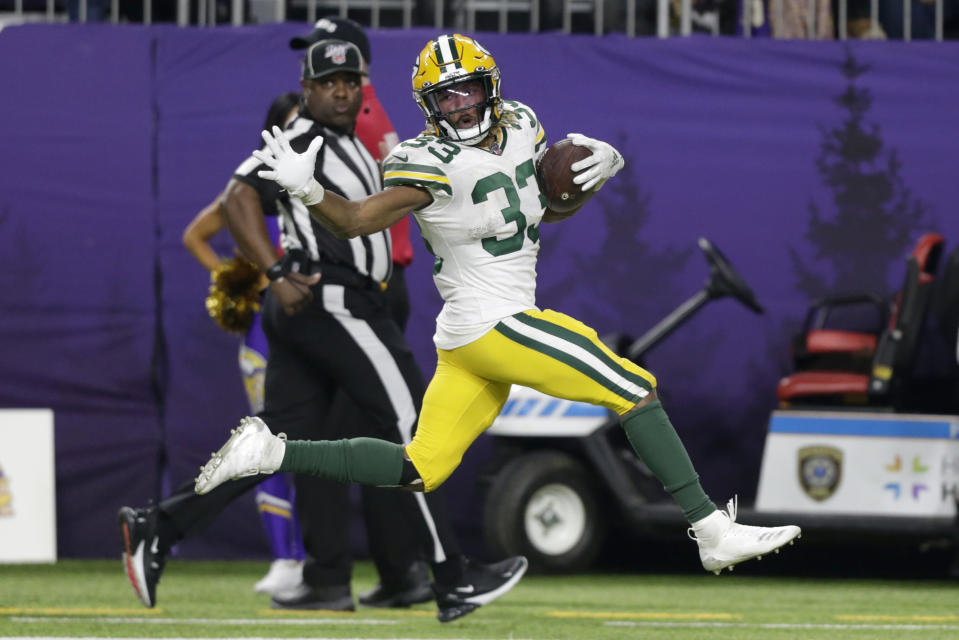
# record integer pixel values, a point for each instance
(483, 224)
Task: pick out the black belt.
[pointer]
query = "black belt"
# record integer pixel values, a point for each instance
(339, 274)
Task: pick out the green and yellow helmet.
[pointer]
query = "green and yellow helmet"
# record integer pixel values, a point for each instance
(447, 61)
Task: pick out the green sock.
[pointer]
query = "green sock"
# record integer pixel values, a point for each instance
(363, 460)
(655, 441)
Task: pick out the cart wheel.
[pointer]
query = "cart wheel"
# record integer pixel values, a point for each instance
(543, 505)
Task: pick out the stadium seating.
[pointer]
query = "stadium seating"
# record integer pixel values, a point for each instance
(661, 18)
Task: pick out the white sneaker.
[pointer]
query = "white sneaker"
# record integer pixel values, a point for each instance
(724, 543)
(251, 450)
(284, 574)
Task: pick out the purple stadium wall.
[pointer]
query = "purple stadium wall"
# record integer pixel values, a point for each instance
(112, 139)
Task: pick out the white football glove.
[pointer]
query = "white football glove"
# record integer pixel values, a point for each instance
(593, 171)
(291, 170)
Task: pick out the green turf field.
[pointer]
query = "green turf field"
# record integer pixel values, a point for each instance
(92, 599)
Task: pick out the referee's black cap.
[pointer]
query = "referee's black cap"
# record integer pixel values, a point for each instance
(330, 56)
(335, 27)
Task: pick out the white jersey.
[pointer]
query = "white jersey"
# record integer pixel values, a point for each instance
(483, 224)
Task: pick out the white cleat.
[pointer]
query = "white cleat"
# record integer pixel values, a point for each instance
(251, 450)
(724, 543)
(284, 574)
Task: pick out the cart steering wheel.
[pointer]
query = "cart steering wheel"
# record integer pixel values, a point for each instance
(724, 280)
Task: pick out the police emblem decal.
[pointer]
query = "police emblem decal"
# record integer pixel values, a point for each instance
(6, 497)
(820, 471)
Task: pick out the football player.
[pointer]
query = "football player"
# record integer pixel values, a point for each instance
(470, 180)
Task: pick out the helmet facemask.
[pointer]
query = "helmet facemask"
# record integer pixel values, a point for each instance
(443, 114)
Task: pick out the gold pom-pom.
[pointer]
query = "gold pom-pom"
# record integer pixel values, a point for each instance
(234, 294)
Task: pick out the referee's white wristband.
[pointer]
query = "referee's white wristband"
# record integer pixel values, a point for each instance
(311, 193)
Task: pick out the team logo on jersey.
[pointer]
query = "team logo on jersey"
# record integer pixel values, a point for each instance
(253, 366)
(336, 53)
(820, 471)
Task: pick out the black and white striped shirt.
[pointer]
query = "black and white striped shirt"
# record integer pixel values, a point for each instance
(346, 168)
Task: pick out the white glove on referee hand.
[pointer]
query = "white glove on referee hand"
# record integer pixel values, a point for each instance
(291, 170)
(593, 171)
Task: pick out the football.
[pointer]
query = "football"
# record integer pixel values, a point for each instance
(556, 178)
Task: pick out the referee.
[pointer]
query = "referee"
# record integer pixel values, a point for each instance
(393, 545)
(336, 334)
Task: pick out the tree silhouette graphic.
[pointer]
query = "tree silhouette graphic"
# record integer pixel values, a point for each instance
(875, 215)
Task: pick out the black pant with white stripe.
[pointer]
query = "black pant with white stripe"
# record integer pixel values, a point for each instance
(347, 345)
(393, 548)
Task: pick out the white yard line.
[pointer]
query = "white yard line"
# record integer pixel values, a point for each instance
(688, 624)
(205, 621)
(225, 638)
(784, 625)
